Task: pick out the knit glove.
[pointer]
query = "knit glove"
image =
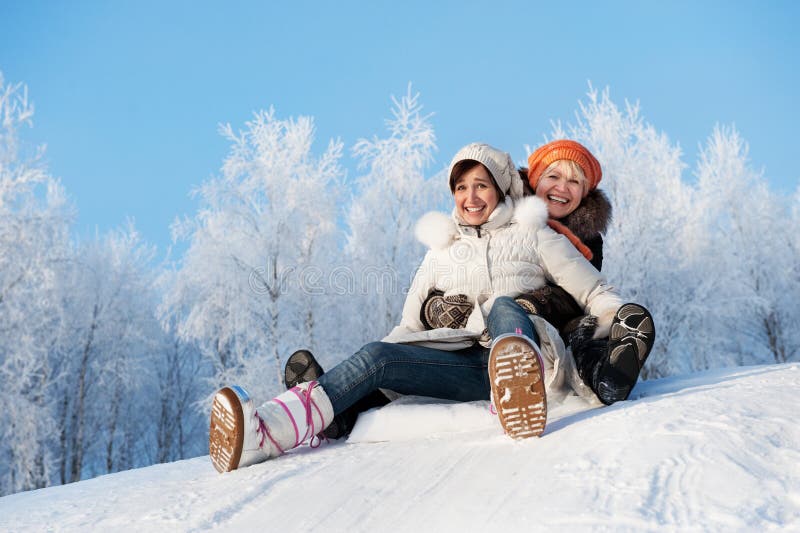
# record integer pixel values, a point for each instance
(439, 311)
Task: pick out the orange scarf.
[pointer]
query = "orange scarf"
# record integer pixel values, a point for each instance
(566, 232)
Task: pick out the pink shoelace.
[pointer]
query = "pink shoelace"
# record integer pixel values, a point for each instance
(307, 401)
(263, 430)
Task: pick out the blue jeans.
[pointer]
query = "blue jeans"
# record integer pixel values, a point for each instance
(460, 375)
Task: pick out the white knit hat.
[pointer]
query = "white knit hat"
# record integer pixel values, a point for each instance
(499, 163)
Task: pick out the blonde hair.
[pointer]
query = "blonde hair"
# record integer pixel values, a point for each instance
(573, 170)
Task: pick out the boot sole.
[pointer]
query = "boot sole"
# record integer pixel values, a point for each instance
(633, 326)
(516, 376)
(225, 433)
(629, 343)
(620, 376)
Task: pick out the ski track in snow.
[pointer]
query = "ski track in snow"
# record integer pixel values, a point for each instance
(716, 451)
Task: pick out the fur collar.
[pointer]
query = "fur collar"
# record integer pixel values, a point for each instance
(591, 217)
(437, 230)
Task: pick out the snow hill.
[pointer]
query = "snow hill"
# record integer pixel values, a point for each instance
(715, 451)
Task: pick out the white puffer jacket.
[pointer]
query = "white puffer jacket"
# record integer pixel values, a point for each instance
(513, 253)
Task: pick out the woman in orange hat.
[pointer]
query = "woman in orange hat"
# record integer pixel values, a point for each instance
(565, 175)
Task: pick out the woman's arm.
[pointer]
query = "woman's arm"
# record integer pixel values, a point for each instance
(566, 267)
(421, 286)
(553, 303)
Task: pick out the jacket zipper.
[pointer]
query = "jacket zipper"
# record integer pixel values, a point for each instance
(486, 261)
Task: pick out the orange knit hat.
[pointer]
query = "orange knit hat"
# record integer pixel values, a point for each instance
(551, 152)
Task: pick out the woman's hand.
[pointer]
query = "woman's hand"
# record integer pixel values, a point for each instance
(552, 303)
(439, 311)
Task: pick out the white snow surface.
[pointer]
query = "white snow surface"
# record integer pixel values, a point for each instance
(715, 451)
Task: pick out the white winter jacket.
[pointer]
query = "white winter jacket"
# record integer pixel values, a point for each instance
(513, 253)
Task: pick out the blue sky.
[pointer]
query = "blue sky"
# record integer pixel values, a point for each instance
(129, 93)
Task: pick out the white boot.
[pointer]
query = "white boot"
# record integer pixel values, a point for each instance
(516, 375)
(241, 435)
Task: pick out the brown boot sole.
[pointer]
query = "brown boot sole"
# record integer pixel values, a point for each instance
(225, 435)
(517, 385)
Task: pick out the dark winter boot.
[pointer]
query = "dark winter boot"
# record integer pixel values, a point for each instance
(589, 353)
(302, 367)
(629, 343)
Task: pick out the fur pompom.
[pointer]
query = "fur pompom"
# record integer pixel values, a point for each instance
(436, 230)
(531, 212)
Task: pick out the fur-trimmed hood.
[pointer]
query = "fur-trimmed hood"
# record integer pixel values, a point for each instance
(438, 231)
(591, 217)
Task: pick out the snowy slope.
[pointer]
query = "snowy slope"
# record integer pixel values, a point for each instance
(713, 451)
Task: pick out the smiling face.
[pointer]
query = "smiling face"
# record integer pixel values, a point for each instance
(475, 195)
(562, 187)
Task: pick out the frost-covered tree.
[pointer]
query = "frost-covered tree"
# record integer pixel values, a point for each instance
(109, 335)
(34, 220)
(751, 299)
(793, 276)
(390, 198)
(77, 327)
(181, 385)
(239, 293)
(181, 429)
